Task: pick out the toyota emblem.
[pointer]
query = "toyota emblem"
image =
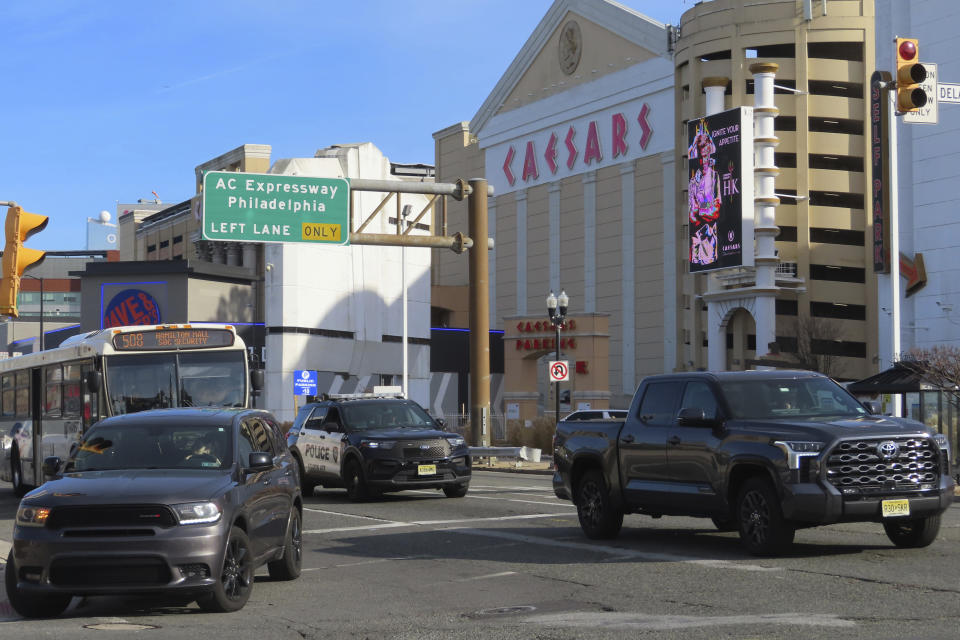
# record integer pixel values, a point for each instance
(888, 449)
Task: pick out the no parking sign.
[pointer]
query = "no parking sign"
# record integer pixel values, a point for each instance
(559, 371)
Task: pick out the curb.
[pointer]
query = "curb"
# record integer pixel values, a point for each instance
(506, 469)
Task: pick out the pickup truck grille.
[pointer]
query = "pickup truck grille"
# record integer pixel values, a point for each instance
(875, 465)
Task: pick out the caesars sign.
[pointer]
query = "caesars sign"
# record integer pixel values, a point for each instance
(720, 191)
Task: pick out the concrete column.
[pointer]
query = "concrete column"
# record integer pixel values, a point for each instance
(521, 197)
(628, 291)
(590, 241)
(765, 202)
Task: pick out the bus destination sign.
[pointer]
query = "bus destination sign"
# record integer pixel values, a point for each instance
(163, 339)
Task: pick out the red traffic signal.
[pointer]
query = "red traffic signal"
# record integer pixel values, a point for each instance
(19, 226)
(910, 73)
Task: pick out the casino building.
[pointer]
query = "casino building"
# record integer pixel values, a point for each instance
(577, 141)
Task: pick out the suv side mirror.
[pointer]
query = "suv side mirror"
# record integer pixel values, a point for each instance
(259, 461)
(51, 466)
(696, 417)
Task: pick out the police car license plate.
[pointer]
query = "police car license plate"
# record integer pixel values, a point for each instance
(895, 508)
(426, 469)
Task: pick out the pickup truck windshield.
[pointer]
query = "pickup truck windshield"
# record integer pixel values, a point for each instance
(789, 398)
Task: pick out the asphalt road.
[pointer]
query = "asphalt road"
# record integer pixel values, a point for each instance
(509, 561)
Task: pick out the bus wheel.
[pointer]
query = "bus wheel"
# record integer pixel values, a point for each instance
(16, 470)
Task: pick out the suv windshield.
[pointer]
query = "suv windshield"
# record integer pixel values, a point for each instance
(153, 447)
(788, 398)
(385, 414)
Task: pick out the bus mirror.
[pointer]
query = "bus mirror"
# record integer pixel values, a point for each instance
(94, 381)
(256, 379)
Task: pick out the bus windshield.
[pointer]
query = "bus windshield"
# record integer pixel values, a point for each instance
(188, 379)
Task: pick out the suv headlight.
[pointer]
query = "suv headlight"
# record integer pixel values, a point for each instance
(796, 449)
(378, 444)
(197, 512)
(944, 444)
(29, 516)
(457, 442)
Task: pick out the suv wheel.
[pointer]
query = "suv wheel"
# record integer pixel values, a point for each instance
(355, 482)
(599, 519)
(235, 583)
(916, 533)
(763, 529)
(27, 605)
(288, 567)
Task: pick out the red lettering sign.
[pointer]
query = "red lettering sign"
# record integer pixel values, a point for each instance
(619, 135)
(593, 151)
(551, 153)
(530, 163)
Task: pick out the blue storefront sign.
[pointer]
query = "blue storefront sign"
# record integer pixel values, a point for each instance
(304, 383)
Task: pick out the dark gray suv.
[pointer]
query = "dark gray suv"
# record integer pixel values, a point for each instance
(172, 501)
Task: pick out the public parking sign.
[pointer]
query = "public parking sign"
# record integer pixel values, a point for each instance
(259, 207)
(559, 371)
(304, 383)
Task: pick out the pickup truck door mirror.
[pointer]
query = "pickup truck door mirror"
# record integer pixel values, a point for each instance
(872, 406)
(696, 417)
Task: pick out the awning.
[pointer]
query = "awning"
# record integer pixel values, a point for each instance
(896, 379)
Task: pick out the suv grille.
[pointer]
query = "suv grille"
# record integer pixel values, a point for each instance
(425, 449)
(108, 516)
(884, 464)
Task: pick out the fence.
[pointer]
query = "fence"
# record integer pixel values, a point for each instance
(497, 425)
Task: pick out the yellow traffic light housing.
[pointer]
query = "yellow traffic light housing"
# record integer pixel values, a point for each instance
(910, 73)
(19, 226)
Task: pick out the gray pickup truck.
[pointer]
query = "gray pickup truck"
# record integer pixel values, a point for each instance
(762, 452)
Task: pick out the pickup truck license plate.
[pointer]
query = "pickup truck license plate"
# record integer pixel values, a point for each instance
(426, 470)
(895, 508)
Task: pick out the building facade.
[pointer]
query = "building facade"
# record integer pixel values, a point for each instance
(576, 140)
(825, 301)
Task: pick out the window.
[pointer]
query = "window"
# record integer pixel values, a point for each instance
(837, 274)
(840, 310)
(835, 125)
(6, 384)
(836, 50)
(837, 236)
(835, 88)
(658, 407)
(836, 199)
(177, 239)
(786, 307)
(151, 248)
(164, 244)
(787, 234)
(52, 397)
(22, 394)
(698, 395)
(72, 393)
(836, 163)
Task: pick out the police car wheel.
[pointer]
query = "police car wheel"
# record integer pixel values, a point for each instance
(356, 484)
(306, 484)
(456, 491)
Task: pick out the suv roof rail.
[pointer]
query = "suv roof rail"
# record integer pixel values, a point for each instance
(361, 396)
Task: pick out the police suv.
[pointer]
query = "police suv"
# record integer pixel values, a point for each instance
(371, 444)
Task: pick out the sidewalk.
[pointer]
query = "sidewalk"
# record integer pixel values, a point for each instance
(513, 466)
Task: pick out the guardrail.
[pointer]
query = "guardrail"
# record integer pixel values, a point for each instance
(521, 453)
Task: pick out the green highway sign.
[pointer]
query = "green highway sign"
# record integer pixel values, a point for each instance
(260, 207)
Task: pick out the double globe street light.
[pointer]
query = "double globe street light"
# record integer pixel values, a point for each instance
(557, 311)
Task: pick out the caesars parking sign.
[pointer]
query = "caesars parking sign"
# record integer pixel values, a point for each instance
(304, 383)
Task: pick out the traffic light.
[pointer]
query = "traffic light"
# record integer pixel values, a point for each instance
(19, 226)
(910, 73)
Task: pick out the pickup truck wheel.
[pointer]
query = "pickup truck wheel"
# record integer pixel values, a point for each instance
(763, 530)
(913, 533)
(599, 519)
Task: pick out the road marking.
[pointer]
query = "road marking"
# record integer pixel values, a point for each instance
(616, 552)
(554, 503)
(429, 523)
(486, 577)
(350, 515)
(621, 621)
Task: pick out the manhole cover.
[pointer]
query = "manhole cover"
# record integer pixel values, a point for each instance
(119, 626)
(506, 611)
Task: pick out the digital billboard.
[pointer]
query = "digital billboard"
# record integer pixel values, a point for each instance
(720, 190)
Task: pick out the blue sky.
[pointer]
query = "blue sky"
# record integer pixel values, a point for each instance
(110, 101)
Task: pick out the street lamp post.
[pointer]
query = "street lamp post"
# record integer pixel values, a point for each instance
(557, 311)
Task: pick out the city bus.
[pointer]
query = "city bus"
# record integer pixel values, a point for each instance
(48, 399)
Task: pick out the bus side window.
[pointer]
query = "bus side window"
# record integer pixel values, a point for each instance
(22, 391)
(52, 392)
(7, 395)
(72, 391)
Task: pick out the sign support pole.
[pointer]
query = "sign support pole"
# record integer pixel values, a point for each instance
(479, 313)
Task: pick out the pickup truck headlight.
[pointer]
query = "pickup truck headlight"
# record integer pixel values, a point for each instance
(28, 516)
(385, 445)
(456, 443)
(796, 449)
(197, 512)
(944, 445)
